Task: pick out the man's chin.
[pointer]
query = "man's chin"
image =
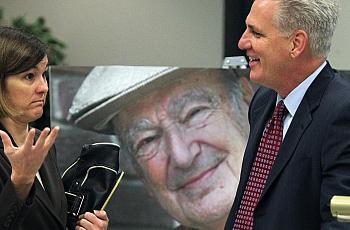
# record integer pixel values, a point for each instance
(254, 76)
(207, 217)
(211, 207)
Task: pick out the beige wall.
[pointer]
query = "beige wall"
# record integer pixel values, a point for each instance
(339, 56)
(148, 32)
(132, 32)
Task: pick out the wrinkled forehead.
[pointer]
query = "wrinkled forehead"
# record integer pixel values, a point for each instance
(173, 97)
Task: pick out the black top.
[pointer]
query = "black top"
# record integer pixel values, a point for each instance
(44, 208)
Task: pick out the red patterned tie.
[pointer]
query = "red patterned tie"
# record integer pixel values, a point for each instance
(267, 151)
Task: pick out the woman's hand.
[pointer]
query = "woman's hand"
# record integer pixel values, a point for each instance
(93, 221)
(27, 159)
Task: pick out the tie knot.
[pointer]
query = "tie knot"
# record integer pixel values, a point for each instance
(280, 109)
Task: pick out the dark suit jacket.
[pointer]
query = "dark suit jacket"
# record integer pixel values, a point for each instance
(44, 209)
(313, 163)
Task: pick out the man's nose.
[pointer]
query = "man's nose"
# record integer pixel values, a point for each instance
(244, 42)
(181, 149)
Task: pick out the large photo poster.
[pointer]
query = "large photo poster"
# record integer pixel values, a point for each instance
(182, 134)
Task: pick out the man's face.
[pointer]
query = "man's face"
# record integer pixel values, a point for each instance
(267, 48)
(188, 149)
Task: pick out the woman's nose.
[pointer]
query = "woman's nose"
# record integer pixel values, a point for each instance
(42, 86)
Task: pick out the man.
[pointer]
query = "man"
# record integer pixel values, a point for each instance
(184, 130)
(289, 185)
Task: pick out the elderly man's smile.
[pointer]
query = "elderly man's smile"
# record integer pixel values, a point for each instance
(200, 175)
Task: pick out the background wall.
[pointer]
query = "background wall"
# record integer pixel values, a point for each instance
(137, 32)
(341, 48)
(142, 32)
(186, 33)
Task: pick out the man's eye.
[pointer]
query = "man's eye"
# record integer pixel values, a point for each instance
(197, 115)
(144, 142)
(192, 113)
(29, 76)
(256, 34)
(144, 146)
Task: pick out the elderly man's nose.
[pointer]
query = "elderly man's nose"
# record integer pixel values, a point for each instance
(182, 151)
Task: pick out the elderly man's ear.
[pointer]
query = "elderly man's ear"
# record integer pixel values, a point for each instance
(246, 88)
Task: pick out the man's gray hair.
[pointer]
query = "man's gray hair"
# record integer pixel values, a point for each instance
(316, 17)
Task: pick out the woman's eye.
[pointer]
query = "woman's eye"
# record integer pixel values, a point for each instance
(46, 74)
(29, 76)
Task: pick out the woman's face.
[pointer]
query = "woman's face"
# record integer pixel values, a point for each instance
(26, 92)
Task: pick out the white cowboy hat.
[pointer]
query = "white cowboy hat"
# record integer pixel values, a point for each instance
(108, 89)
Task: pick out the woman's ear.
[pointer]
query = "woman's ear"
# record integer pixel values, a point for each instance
(299, 43)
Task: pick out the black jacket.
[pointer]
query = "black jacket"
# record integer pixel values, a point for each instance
(313, 163)
(43, 209)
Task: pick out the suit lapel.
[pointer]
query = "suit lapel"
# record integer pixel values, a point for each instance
(300, 122)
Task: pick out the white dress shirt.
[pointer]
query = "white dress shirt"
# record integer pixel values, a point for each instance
(293, 99)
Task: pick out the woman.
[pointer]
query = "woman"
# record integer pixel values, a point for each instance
(31, 191)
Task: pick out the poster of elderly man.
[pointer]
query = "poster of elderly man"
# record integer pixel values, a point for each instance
(182, 133)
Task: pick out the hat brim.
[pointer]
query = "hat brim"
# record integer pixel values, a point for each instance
(97, 116)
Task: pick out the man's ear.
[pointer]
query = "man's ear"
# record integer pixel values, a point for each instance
(246, 88)
(299, 42)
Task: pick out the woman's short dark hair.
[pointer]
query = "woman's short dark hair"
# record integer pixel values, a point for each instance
(19, 52)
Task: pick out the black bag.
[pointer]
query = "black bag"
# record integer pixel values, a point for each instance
(91, 180)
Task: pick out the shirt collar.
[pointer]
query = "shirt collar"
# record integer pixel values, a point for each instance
(293, 99)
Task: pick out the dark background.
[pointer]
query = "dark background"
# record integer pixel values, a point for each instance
(235, 13)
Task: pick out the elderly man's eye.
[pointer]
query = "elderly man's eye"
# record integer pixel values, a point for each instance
(197, 115)
(192, 113)
(143, 147)
(145, 142)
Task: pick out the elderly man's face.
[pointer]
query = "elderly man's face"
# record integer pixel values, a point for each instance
(188, 149)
